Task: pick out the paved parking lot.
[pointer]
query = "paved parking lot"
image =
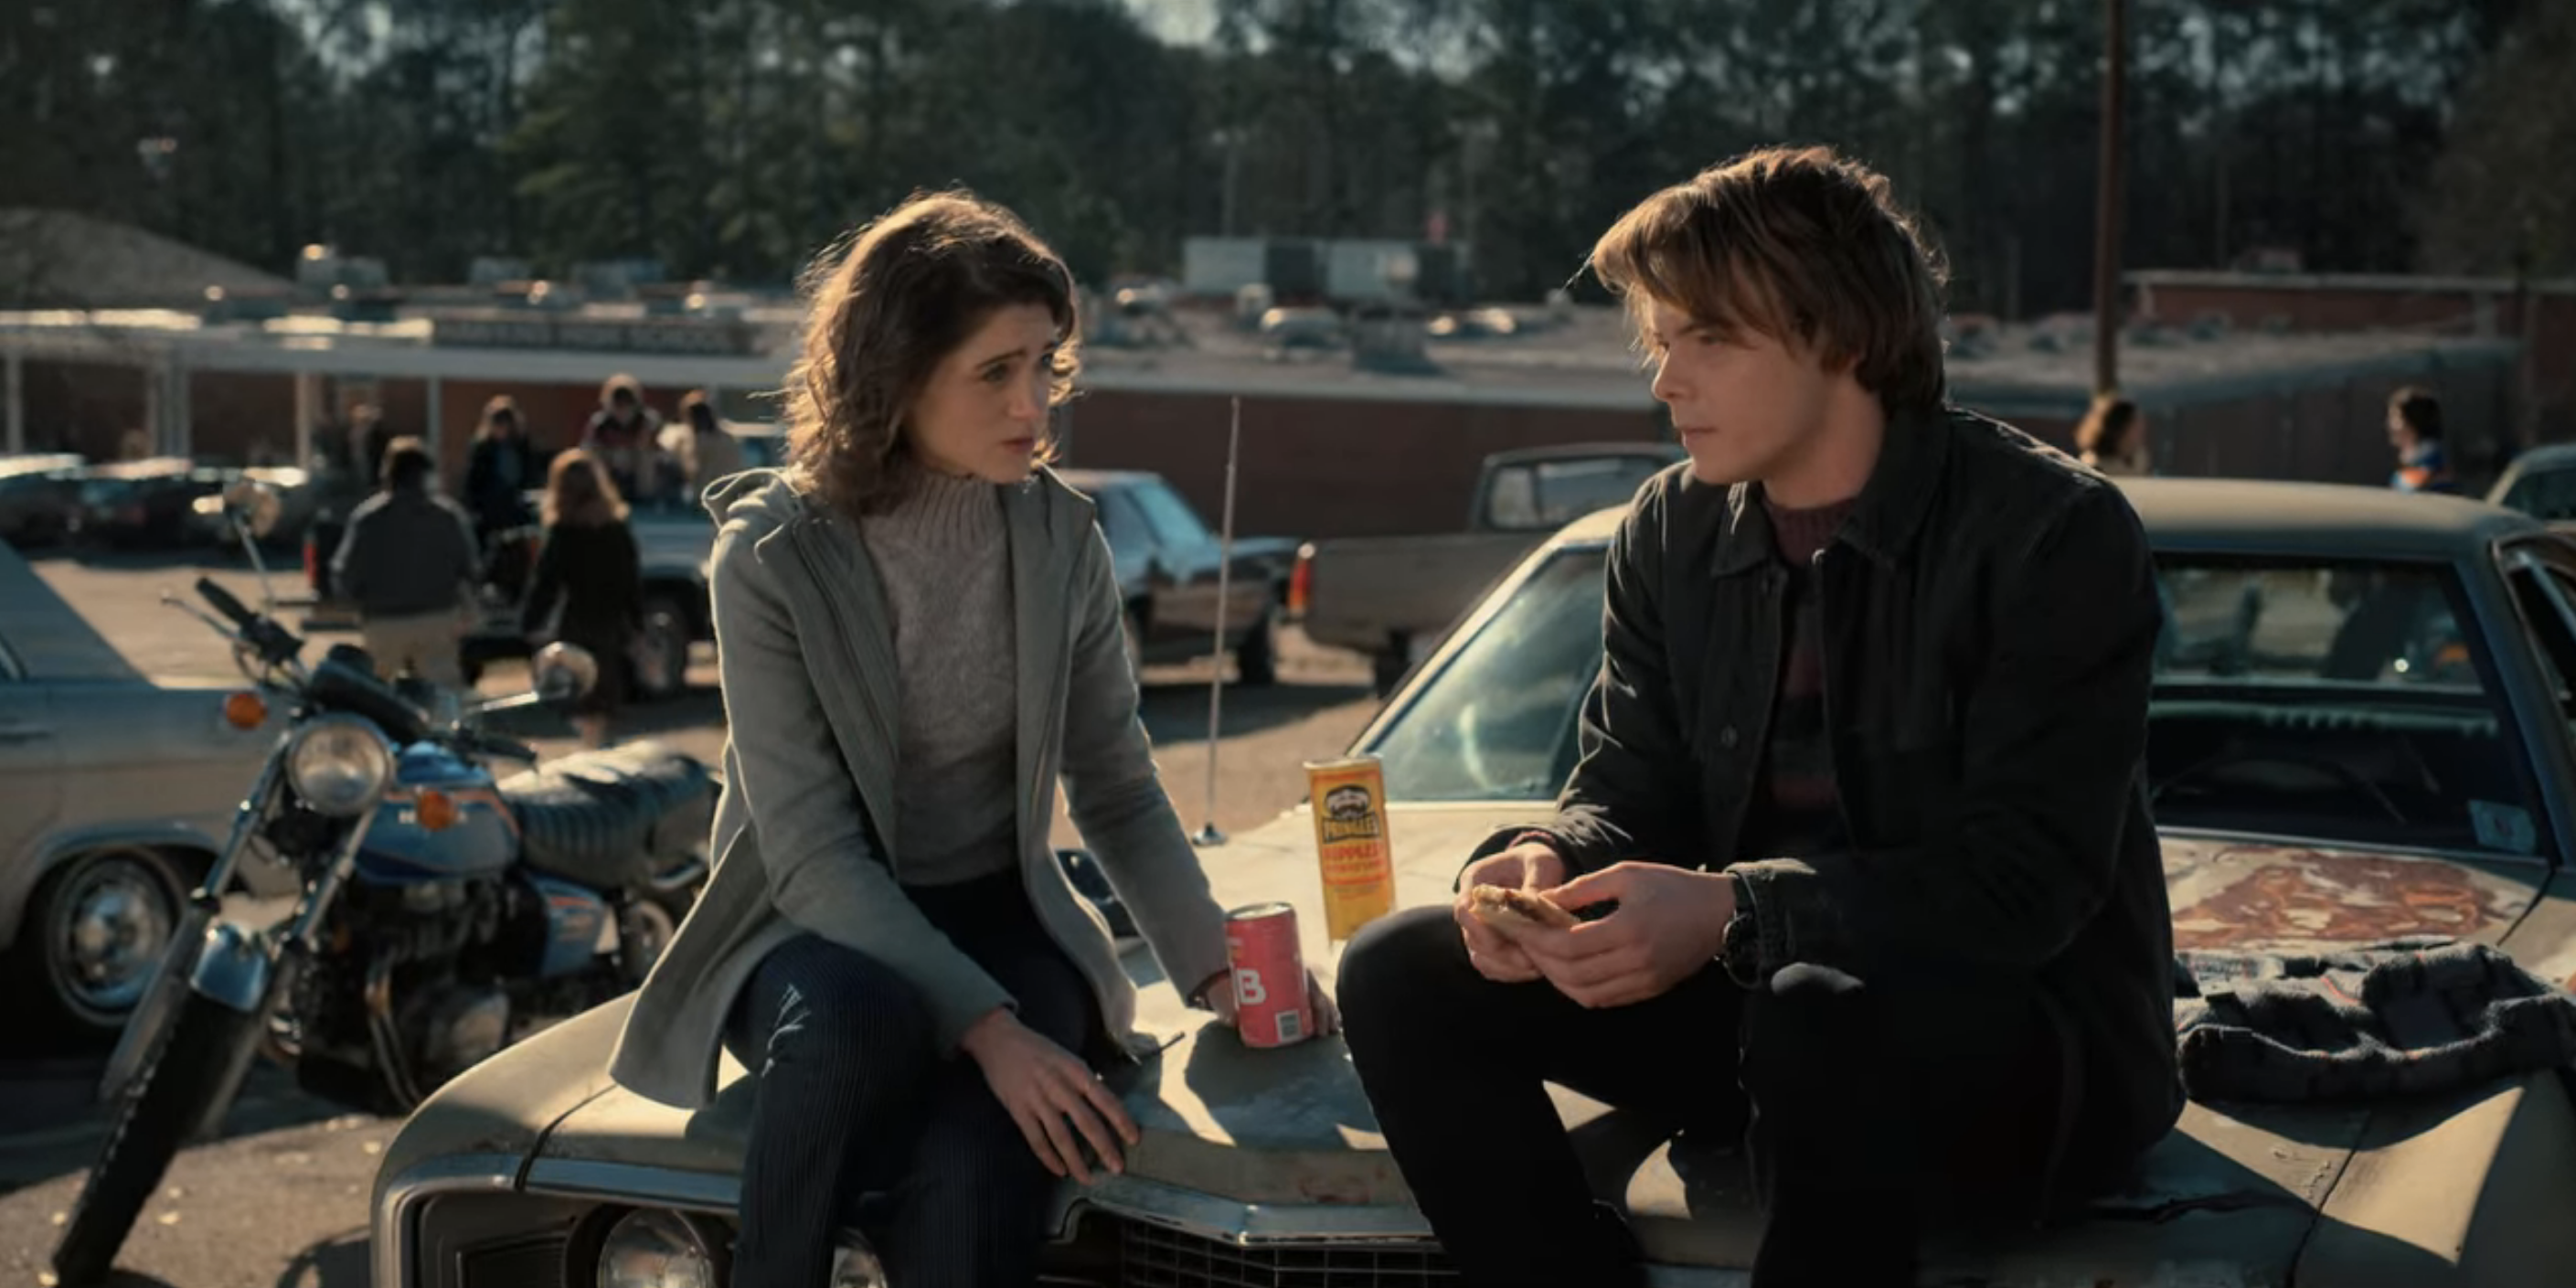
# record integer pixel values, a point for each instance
(280, 1201)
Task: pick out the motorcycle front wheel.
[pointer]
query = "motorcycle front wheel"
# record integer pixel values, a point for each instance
(199, 1062)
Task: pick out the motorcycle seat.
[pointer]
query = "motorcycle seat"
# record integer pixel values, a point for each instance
(613, 818)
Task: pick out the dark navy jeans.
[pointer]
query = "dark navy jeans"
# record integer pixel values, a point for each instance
(852, 1101)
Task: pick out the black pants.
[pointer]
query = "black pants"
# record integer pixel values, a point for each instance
(1857, 1101)
(853, 1102)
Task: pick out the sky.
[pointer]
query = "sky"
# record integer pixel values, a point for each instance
(1178, 21)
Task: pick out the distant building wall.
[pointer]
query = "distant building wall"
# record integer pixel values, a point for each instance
(2434, 305)
(1330, 466)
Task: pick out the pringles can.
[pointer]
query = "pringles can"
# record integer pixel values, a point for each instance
(1351, 842)
(1270, 1003)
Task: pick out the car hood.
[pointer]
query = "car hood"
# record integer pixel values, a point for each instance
(1262, 1136)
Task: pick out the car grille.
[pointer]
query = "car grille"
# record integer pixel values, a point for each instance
(534, 1262)
(1152, 1257)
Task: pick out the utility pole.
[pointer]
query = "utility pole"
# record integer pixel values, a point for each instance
(2106, 215)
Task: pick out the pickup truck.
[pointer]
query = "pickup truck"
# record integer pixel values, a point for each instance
(1394, 598)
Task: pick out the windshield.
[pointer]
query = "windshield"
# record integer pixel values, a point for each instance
(1173, 521)
(2339, 702)
(1497, 721)
(2545, 494)
(1547, 495)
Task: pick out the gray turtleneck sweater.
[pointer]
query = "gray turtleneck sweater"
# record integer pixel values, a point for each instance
(944, 558)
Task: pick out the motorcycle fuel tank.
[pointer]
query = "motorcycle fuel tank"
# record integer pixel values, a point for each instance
(482, 839)
(576, 926)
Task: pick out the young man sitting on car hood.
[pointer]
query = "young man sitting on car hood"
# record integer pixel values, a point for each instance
(1858, 830)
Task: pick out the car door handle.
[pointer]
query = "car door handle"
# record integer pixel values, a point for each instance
(25, 732)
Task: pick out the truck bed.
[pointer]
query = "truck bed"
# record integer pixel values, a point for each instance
(1378, 595)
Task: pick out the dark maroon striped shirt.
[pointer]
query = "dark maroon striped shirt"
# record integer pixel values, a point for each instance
(1796, 810)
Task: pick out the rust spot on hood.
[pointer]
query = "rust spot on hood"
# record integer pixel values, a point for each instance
(2258, 895)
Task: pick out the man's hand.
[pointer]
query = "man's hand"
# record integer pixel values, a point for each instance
(1670, 925)
(1051, 1094)
(1534, 866)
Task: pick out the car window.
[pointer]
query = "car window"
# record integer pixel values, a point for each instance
(1173, 521)
(2550, 622)
(2331, 701)
(2544, 494)
(2340, 701)
(1496, 721)
(1550, 494)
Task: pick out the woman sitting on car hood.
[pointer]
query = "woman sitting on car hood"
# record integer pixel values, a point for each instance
(919, 630)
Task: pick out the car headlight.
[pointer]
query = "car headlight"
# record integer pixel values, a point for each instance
(652, 1248)
(339, 765)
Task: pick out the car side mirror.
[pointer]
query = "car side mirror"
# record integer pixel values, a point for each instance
(564, 672)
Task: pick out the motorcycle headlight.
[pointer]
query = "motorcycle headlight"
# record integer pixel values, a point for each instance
(653, 1248)
(339, 765)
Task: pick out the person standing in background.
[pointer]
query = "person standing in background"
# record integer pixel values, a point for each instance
(707, 452)
(2112, 438)
(621, 435)
(407, 561)
(498, 474)
(2415, 430)
(589, 563)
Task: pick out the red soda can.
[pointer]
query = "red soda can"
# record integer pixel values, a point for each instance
(1271, 1005)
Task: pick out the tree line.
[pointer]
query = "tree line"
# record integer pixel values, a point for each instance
(733, 138)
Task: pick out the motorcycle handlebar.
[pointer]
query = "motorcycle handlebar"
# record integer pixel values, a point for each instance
(232, 609)
(496, 745)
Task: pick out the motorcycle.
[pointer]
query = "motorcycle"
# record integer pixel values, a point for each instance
(444, 915)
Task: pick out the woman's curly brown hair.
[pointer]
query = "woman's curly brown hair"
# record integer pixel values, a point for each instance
(887, 303)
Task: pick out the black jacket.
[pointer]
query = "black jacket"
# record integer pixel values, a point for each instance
(498, 476)
(595, 571)
(1990, 617)
(407, 554)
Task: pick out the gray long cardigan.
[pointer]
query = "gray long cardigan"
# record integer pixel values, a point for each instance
(804, 838)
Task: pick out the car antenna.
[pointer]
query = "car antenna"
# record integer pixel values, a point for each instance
(1208, 835)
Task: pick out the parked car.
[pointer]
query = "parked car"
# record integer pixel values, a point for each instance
(2541, 483)
(1393, 598)
(39, 498)
(2380, 747)
(1167, 563)
(115, 795)
(147, 504)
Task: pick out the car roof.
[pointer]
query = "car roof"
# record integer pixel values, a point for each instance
(38, 463)
(1668, 452)
(47, 637)
(2264, 516)
(2318, 518)
(2551, 456)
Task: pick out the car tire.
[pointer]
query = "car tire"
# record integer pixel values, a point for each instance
(659, 666)
(76, 984)
(1256, 658)
(181, 1090)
